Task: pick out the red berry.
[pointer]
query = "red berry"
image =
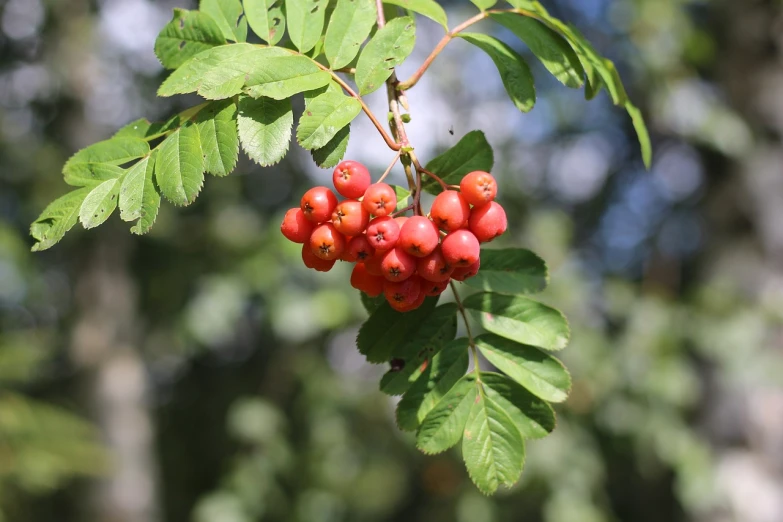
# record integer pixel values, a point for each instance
(350, 218)
(478, 188)
(450, 211)
(434, 267)
(359, 249)
(403, 295)
(295, 226)
(488, 222)
(383, 233)
(314, 262)
(351, 179)
(362, 280)
(418, 236)
(461, 248)
(318, 204)
(400, 220)
(380, 199)
(373, 264)
(397, 264)
(466, 272)
(326, 242)
(432, 289)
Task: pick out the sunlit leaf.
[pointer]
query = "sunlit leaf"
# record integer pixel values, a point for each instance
(228, 16)
(443, 426)
(179, 169)
(57, 219)
(510, 271)
(349, 26)
(324, 117)
(305, 19)
(99, 203)
(266, 19)
(188, 34)
(472, 152)
(429, 8)
(265, 129)
(217, 127)
(386, 50)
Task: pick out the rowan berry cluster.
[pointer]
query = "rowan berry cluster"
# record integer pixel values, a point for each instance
(404, 258)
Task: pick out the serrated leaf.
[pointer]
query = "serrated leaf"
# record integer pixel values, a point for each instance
(283, 76)
(99, 204)
(323, 118)
(387, 49)
(539, 372)
(641, 132)
(492, 446)
(429, 8)
(386, 329)
(266, 19)
(520, 319)
(333, 152)
(57, 219)
(484, 4)
(420, 346)
(114, 151)
(305, 22)
(220, 72)
(265, 128)
(179, 169)
(472, 152)
(188, 34)
(548, 46)
(443, 426)
(139, 199)
(217, 128)
(514, 71)
(510, 271)
(135, 129)
(443, 372)
(403, 197)
(533, 417)
(228, 16)
(91, 174)
(349, 26)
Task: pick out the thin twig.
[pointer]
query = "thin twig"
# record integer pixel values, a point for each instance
(391, 165)
(472, 343)
(421, 169)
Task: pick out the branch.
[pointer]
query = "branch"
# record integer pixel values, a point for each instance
(472, 343)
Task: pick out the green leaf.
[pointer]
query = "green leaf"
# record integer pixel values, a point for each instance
(533, 417)
(472, 152)
(520, 319)
(91, 174)
(188, 34)
(99, 204)
(333, 152)
(139, 199)
(57, 219)
(492, 446)
(443, 372)
(514, 71)
(220, 72)
(484, 4)
(349, 26)
(217, 128)
(510, 271)
(265, 128)
(135, 129)
(114, 151)
(323, 118)
(371, 304)
(553, 51)
(386, 50)
(305, 22)
(386, 329)
(420, 346)
(179, 169)
(443, 426)
(429, 8)
(228, 15)
(266, 18)
(539, 372)
(641, 131)
(403, 197)
(283, 76)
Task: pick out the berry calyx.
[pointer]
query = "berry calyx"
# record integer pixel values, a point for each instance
(363, 280)
(434, 268)
(296, 227)
(450, 211)
(478, 188)
(326, 242)
(466, 272)
(397, 264)
(418, 236)
(383, 233)
(432, 289)
(350, 218)
(488, 222)
(318, 204)
(312, 261)
(461, 248)
(351, 179)
(403, 295)
(380, 199)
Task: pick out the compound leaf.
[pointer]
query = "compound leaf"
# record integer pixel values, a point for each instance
(305, 22)
(217, 128)
(266, 18)
(99, 203)
(429, 8)
(443, 426)
(349, 26)
(188, 34)
(333, 152)
(484, 4)
(57, 219)
(114, 151)
(91, 174)
(179, 169)
(386, 329)
(472, 152)
(283, 76)
(228, 16)
(533, 417)
(139, 198)
(385, 51)
(265, 128)
(510, 271)
(323, 118)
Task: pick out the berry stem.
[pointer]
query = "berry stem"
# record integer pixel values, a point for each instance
(391, 166)
(422, 170)
(464, 314)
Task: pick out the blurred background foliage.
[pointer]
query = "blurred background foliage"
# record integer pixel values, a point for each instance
(202, 374)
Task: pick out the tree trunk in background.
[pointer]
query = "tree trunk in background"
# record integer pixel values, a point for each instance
(103, 346)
